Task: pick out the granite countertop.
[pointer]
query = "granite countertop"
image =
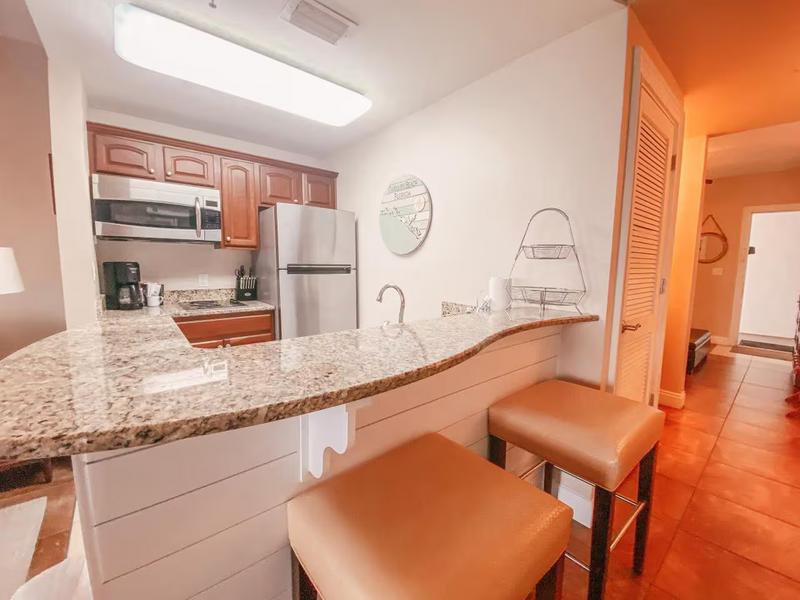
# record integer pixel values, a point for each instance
(178, 309)
(132, 379)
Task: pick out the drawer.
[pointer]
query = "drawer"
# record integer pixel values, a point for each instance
(209, 329)
(236, 341)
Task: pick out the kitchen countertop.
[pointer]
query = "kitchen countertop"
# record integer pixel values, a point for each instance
(175, 309)
(132, 378)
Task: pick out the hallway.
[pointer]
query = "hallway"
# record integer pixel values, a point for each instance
(726, 514)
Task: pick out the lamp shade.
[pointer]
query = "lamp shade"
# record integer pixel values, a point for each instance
(10, 279)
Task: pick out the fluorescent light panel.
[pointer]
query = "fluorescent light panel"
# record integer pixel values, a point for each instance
(171, 48)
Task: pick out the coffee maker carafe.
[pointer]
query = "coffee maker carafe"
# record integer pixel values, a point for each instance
(121, 281)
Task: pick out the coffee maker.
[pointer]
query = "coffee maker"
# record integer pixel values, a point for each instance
(121, 285)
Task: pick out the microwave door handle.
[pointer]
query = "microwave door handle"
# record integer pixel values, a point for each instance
(198, 217)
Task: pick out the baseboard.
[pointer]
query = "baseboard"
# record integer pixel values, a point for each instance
(718, 340)
(581, 507)
(671, 399)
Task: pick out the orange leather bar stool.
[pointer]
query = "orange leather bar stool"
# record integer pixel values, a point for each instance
(427, 521)
(596, 437)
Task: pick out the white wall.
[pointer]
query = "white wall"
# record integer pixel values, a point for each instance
(177, 266)
(28, 223)
(543, 131)
(772, 282)
(71, 182)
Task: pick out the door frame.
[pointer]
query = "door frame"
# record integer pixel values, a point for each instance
(741, 261)
(644, 73)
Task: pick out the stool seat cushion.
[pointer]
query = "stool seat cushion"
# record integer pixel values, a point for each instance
(426, 521)
(594, 435)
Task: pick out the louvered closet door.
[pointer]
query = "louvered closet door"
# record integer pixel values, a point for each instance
(651, 179)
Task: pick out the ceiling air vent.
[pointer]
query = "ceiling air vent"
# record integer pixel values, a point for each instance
(318, 20)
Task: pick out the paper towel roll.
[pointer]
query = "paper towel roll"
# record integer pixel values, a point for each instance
(498, 294)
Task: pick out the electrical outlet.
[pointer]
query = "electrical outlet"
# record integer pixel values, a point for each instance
(202, 279)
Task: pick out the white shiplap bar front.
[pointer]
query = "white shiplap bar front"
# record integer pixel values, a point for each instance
(205, 518)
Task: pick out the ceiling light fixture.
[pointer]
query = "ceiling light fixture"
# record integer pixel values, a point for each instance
(171, 48)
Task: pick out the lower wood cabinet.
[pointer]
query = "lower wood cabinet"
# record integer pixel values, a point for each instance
(239, 204)
(230, 329)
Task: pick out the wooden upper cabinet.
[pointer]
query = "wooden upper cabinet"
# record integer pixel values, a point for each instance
(188, 166)
(319, 190)
(239, 204)
(279, 184)
(122, 156)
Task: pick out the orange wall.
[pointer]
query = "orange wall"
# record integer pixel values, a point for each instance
(726, 200)
(27, 223)
(682, 274)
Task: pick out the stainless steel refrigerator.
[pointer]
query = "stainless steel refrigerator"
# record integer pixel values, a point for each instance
(306, 267)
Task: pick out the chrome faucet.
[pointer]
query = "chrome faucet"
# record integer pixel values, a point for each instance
(402, 299)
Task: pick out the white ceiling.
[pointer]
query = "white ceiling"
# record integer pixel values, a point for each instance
(405, 55)
(765, 150)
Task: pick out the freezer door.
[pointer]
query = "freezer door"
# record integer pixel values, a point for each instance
(308, 235)
(314, 302)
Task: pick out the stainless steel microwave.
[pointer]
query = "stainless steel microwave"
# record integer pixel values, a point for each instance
(126, 208)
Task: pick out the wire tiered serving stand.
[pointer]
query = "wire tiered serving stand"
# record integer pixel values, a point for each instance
(545, 296)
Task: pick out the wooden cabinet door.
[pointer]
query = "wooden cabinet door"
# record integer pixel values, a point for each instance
(121, 156)
(279, 185)
(239, 204)
(319, 190)
(187, 166)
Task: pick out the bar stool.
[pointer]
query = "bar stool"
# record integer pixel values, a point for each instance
(594, 436)
(428, 520)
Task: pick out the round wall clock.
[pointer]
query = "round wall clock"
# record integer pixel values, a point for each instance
(405, 214)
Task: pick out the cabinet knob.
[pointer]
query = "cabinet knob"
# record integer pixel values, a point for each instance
(152, 170)
(228, 238)
(169, 173)
(296, 200)
(305, 201)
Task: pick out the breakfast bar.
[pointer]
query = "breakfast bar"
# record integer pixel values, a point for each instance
(205, 517)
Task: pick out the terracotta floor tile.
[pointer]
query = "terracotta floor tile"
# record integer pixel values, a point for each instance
(755, 536)
(772, 407)
(764, 439)
(709, 401)
(769, 378)
(776, 422)
(694, 420)
(688, 440)
(770, 497)
(760, 392)
(49, 551)
(656, 594)
(774, 364)
(761, 462)
(576, 582)
(716, 372)
(697, 570)
(711, 382)
(680, 465)
(670, 498)
(658, 541)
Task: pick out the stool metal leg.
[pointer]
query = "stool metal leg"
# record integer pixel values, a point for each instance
(646, 469)
(497, 451)
(602, 519)
(302, 588)
(550, 586)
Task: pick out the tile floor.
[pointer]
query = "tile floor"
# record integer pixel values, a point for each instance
(726, 512)
(26, 483)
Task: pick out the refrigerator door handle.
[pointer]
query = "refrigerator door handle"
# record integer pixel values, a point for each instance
(319, 269)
